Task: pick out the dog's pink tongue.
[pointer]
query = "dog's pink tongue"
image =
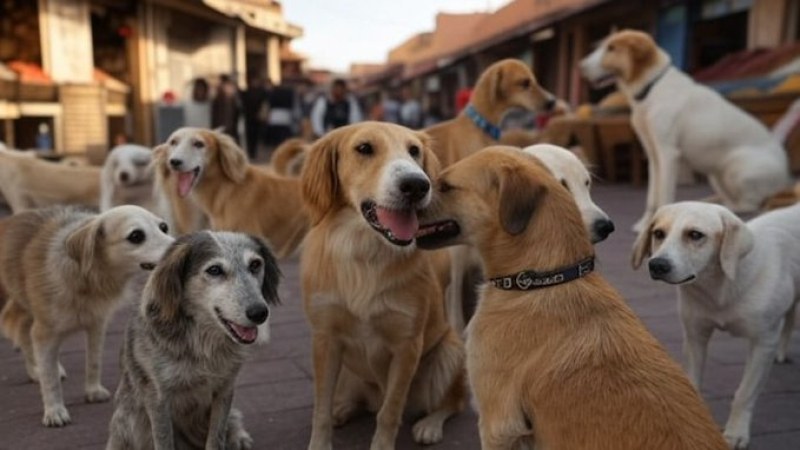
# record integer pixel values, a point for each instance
(402, 224)
(247, 334)
(185, 181)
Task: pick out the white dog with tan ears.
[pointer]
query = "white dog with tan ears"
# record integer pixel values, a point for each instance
(735, 276)
(677, 119)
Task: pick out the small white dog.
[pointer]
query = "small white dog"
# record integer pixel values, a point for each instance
(676, 118)
(740, 277)
(573, 175)
(127, 178)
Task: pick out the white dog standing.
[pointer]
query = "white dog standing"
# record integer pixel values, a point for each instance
(127, 178)
(676, 118)
(735, 276)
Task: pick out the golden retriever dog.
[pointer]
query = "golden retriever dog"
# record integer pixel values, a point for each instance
(127, 178)
(182, 213)
(502, 86)
(677, 119)
(27, 182)
(235, 195)
(380, 339)
(556, 359)
(287, 159)
(203, 307)
(65, 270)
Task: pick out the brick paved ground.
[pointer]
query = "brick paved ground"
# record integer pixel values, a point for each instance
(274, 390)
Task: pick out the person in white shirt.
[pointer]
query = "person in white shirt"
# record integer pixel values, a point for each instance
(336, 110)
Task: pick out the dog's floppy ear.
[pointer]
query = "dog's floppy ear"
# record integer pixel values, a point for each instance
(430, 162)
(642, 247)
(272, 273)
(519, 196)
(83, 244)
(737, 241)
(497, 84)
(232, 159)
(164, 290)
(319, 178)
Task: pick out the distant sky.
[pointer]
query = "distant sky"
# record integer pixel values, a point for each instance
(339, 32)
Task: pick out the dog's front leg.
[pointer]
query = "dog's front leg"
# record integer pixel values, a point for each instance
(45, 348)
(403, 366)
(454, 295)
(160, 414)
(695, 345)
(218, 423)
(327, 354)
(756, 371)
(646, 140)
(95, 336)
(668, 161)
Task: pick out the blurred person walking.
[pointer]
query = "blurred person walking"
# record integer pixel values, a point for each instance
(226, 107)
(255, 109)
(283, 113)
(335, 110)
(197, 109)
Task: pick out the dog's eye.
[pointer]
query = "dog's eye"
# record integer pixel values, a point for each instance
(564, 183)
(526, 84)
(610, 47)
(413, 151)
(659, 234)
(588, 183)
(365, 148)
(173, 142)
(445, 187)
(136, 237)
(255, 266)
(163, 227)
(695, 235)
(215, 271)
(198, 144)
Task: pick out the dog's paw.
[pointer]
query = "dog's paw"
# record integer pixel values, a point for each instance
(97, 394)
(639, 226)
(62, 373)
(737, 441)
(427, 430)
(56, 416)
(343, 412)
(782, 359)
(242, 441)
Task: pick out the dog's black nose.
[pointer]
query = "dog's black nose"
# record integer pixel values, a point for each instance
(415, 188)
(549, 104)
(175, 163)
(603, 227)
(659, 267)
(257, 313)
(124, 177)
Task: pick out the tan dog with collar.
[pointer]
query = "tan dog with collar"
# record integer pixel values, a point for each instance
(568, 366)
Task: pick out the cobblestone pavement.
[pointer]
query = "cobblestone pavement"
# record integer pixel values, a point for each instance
(274, 390)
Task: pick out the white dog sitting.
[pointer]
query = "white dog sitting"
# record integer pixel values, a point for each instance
(676, 118)
(735, 276)
(127, 178)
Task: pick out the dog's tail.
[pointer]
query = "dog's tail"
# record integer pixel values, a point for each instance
(287, 159)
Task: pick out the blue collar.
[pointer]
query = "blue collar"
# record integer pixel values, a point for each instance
(481, 122)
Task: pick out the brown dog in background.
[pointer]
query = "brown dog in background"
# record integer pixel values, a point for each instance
(556, 359)
(380, 339)
(234, 194)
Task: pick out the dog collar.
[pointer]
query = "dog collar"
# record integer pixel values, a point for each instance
(481, 122)
(528, 280)
(641, 95)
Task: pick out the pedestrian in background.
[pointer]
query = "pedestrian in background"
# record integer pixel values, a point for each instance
(337, 109)
(197, 108)
(254, 100)
(282, 114)
(410, 109)
(226, 107)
